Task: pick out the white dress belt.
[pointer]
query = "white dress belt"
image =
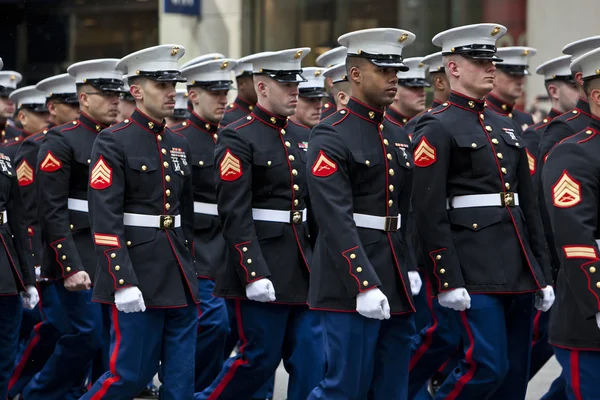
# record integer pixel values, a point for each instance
(4, 218)
(503, 199)
(387, 224)
(205, 208)
(152, 221)
(287, 217)
(78, 205)
(597, 242)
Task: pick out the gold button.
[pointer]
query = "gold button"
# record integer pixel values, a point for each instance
(253, 273)
(59, 246)
(386, 142)
(473, 145)
(445, 104)
(359, 269)
(166, 164)
(368, 162)
(574, 111)
(296, 188)
(269, 163)
(167, 206)
(89, 161)
(64, 258)
(598, 285)
(248, 117)
(294, 172)
(273, 120)
(488, 128)
(353, 256)
(159, 137)
(390, 203)
(438, 257)
(504, 170)
(117, 267)
(482, 116)
(167, 178)
(371, 114)
(121, 281)
(366, 283)
(249, 261)
(215, 136)
(168, 192)
(207, 126)
(504, 107)
(510, 115)
(282, 131)
(507, 185)
(244, 249)
(296, 202)
(128, 243)
(164, 151)
(113, 255)
(592, 269)
(287, 144)
(389, 157)
(475, 226)
(380, 126)
(291, 157)
(499, 155)
(391, 187)
(407, 164)
(442, 271)
(68, 269)
(201, 163)
(517, 144)
(495, 141)
(71, 226)
(471, 104)
(144, 168)
(446, 284)
(391, 172)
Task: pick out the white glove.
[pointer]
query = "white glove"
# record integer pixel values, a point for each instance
(262, 290)
(30, 297)
(456, 299)
(598, 320)
(415, 282)
(373, 304)
(130, 300)
(544, 298)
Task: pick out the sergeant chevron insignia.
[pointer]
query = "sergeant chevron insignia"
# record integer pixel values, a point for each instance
(101, 175)
(324, 166)
(566, 192)
(25, 174)
(231, 167)
(424, 154)
(531, 161)
(50, 163)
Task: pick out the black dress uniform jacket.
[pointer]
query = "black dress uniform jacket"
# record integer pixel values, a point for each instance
(359, 162)
(142, 167)
(209, 249)
(329, 107)
(10, 132)
(532, 136)
(16, 266)
(26, 163)
(467, 149)
(396, 117)
(521, 118)
(260, 164)
(236, 110)
(412, 123)
(63, 172)
(571, 182)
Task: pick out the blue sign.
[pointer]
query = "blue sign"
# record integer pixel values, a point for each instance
(187, 7)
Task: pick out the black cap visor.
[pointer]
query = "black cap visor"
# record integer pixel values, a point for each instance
(182, 113)
(476, 52)
(213, 86)
(383, 60)
(161, 76)
(314, 92)
(36, 107)
(286, 76)
(414, 82)
(64, 98)
(517, 70)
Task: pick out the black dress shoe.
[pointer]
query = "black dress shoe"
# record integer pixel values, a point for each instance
(149, 393)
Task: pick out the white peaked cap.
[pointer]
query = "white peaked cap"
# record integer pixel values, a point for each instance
(203, 58)
(332, 57)
(416, 69)
(515, 55)
(381, 46)
(314, 78)
(556, 68)
(181, 99)
(474, 36)
(580, 47)
(588, 64)
(434, 62)
(104, 68)
(153, 59)
(10, 79)
(58, 84)
(337, 73)
(27, 95)
(209, 71)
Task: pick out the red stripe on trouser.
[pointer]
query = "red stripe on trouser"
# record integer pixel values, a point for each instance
(463, 380)
(429, 333)
(536, 328)
(575, 384)
(21, 365)
(199, 328)
(239, 361)
(113, 358)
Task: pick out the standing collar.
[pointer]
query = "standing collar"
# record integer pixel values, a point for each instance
(268, 118)
(243, 104)
(499, 105)
(595, 123)
(89, 123)
(436, 103)
(553, 113)
(203, 124)
(399, 118)
(148, 123)
(364, 111)
(466, 102)
(583, 106)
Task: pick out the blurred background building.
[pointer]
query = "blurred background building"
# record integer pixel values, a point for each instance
(42, 37)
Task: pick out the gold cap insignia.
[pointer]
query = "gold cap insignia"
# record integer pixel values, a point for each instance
(452, 50)
(598, 71)
(495, 31)
(13, 77)
(298, 54)
(403, 37)
(318, 72)
(359, 51)
(421, 65)
(224, 64)
(525, 52)
(175, 51)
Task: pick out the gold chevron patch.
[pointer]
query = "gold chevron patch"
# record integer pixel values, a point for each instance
(566, 192)
(231, 167)
(424, 154)
(101, 175)
(324, 166)
(50, 163)
(531, 161)
(25, 174)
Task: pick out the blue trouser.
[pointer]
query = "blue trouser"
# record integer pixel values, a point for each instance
(581, 370)
(71, 359)
(558, 389)
(496, 334)
(213, 329)
(41, 343)
(423, 305)
(139, 341)
(366, 358)
(10, 320)
(268, 333)
(541, 352)
(433, 346)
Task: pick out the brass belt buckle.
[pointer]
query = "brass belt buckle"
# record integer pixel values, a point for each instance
(507, 199)
(167, 222)
(2, 218)
(295, 217)
(391, 224)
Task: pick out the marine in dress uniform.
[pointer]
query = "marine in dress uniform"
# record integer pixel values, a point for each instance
(310, 96)
(340, 88)
(181, 112)
(358, 169)
(127, 103)
(478, 224)
(63, 106)
(331, 58)
(246, 98)
(570, 182)
(410, 98)
(261, 190)
(509, 84)
(208, 84)
(8, 82)
(141, 211)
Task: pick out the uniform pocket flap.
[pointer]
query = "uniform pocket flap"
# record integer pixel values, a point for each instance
(470, 142)
(142, 164)
(202, 160)
(368, 159)
(136, 235)
(475, 219)
(266, 230)
(268, 160)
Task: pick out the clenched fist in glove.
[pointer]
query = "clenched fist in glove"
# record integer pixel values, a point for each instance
(544, 298)
(415, 282)
(373, 304)
(130, 300)
(30, 297)
(456, 299)
(262, 290)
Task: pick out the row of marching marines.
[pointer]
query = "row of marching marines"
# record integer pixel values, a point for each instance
(325, 219)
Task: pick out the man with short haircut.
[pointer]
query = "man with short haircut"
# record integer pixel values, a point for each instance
(246, 98)
(8, 83)
(310, 96)
(181, 112)
(329, 59)
(341, 90)
(32, 114)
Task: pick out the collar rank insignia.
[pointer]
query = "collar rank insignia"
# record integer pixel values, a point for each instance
(231, 167)
(425, 154)
(50, 163)
(324, 166)
(25, 174)
(101, 175)
(566, 192)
